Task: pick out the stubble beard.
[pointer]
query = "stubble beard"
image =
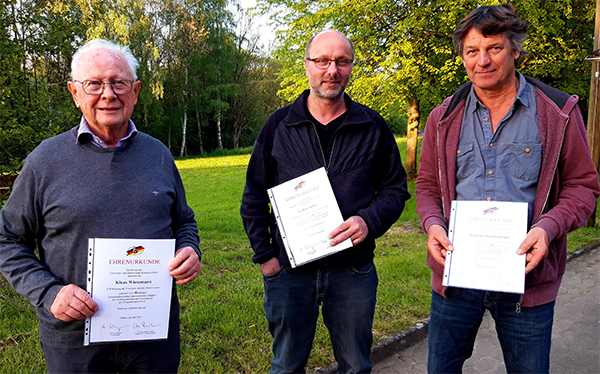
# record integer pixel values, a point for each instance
(331, 94)
(327, 94)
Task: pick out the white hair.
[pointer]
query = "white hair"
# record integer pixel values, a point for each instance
(124, 51)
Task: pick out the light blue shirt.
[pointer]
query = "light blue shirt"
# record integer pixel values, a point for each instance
(84, 128)
(505, 165)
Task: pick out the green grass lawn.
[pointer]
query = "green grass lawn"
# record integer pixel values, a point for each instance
(222, 321)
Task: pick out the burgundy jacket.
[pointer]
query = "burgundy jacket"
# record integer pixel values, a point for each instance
(567, 190)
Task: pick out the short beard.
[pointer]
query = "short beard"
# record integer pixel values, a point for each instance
(329, 94)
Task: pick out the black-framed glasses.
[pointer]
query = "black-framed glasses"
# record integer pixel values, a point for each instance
(324, 63)
(94, 87)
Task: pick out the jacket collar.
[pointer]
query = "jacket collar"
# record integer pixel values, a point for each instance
(558, 97)
(298, 113)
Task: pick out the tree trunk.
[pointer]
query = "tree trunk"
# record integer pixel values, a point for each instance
(236, 136)
(411, 138)
(199, 131)
(170, 124)
(184, 125)
(593, 123)
(219, 137)
(184, 131)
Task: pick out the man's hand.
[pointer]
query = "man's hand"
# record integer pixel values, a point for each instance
(270, 267)
(354, 228)
(536, 246)
(73, 303)
(438, 244)
(185, 266)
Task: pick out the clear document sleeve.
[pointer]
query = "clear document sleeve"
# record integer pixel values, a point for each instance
(307, 212)
(486, 236)
(130, 281)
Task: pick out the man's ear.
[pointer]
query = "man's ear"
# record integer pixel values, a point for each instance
(73, 89)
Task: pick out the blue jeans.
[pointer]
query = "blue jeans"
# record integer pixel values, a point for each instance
(525, 333)
(347, 295)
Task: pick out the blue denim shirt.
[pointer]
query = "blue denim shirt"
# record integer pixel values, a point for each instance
(501, 166)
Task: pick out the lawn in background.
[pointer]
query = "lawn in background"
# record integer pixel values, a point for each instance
(222, 320)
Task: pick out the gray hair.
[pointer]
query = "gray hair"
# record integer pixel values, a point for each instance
(94, 44)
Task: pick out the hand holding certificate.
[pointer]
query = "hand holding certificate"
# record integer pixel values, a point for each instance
(130, 281)
(306, 212)
(486, 236)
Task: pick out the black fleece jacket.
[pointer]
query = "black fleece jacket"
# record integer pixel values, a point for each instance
(365, 172)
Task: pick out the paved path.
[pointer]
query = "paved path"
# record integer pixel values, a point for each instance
(575, 336)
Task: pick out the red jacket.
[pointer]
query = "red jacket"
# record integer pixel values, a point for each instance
(567, 189)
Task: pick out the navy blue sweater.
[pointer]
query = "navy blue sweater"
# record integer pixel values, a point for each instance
(69, 192)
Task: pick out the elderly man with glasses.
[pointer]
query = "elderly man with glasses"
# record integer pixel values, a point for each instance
(324, 128)
(101, 179)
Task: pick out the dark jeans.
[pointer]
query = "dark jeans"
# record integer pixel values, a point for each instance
(347, 295)
(142, 357)
(525, 333)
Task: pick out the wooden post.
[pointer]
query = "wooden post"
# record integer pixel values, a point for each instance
(593, 124)
(412, 131)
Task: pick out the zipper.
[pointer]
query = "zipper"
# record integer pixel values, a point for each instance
(562, 140)
(440, 169)
(518, 305)
(321, 147)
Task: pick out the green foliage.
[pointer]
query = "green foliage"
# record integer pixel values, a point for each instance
(32, 76)
(201, 75)
(404, 50)
(560, 37)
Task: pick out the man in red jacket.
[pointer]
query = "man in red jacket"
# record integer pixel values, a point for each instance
(502, 137)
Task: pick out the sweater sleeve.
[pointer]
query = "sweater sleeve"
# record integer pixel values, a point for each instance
(577, 182)
(20, 226)
(428, 193)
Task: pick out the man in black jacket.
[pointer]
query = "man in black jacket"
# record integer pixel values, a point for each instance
(325, 128)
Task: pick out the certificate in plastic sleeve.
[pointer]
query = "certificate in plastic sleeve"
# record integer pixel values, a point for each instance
(130, 281)
(306, 212)
(486, 236)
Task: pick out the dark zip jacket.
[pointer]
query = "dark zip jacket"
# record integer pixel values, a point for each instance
(365, 172)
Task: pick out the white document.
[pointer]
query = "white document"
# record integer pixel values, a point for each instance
(486, 236)
(307, 212)
(130, 281)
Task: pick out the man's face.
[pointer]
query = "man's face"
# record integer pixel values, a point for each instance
(106, 112)
(330, 83)
(490, 61)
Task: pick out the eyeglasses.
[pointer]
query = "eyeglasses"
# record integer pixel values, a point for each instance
(323, 63)
(93, 87)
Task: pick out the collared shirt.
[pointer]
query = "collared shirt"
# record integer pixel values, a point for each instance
(505, 165)
(85, 131)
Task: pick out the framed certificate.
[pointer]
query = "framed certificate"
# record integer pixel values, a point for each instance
(130, 281)
(486, 236)
(307, 212)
